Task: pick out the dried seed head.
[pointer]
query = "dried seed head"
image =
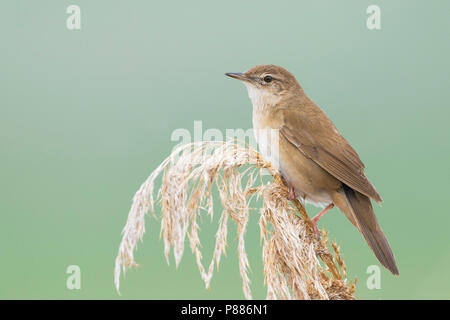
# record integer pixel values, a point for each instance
(296, 264)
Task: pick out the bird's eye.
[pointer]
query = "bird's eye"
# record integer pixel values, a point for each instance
(267, 79)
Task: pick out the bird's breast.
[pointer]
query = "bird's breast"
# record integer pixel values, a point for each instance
(310, 181)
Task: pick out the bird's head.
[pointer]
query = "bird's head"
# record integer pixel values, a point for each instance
(268, 84)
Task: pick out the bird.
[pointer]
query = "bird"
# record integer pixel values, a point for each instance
(318, 164)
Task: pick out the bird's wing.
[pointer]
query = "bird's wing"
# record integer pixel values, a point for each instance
(310, 130)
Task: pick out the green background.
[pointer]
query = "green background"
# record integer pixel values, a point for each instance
(86, 116)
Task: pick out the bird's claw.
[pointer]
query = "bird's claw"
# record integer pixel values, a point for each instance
(316, 231)
(291, 193)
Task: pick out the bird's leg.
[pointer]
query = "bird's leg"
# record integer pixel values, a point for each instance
(291, 195)
(318, 216)
(291, 192)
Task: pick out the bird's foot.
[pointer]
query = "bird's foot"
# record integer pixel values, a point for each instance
(291, 195)
(291, 192)
(316, 231)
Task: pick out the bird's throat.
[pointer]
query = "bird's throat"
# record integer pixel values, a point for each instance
(261, 99)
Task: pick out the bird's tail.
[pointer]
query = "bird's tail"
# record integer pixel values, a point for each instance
(364, 219)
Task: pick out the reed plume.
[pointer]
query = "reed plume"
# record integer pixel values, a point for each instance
(297, 265)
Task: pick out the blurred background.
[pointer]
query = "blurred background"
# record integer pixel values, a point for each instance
(86, 115)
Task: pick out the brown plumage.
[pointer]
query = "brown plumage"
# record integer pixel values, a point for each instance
(314, 158)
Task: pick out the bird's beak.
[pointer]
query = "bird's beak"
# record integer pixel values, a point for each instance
(238, 75)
